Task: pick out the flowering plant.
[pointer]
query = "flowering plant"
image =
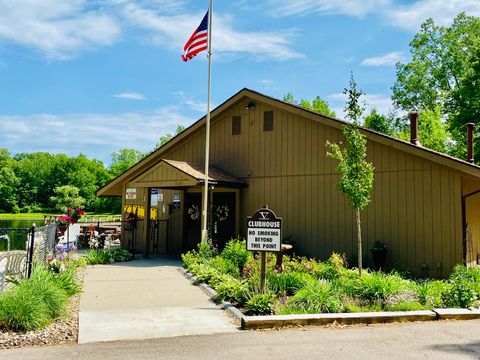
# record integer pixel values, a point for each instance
(72, 217)
(75, 214)
(56, 265)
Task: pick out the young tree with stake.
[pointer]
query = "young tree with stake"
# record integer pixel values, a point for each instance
(356, 174)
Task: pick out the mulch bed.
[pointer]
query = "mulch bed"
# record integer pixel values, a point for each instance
(63, 330)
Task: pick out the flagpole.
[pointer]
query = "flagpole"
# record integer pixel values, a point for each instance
(207, 130)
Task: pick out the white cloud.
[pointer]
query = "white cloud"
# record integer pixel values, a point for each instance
(409, 17)
(191, 103)
(326, 7)
(174, 30)
(58, 29)
(130, 96)
(384, 60)
(380, 102)
(96, 135)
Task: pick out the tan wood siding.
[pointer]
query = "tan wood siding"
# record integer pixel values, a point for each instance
(415, 208)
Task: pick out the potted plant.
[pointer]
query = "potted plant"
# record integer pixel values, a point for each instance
(379, 253)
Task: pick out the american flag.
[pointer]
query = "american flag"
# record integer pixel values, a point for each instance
(198, 41)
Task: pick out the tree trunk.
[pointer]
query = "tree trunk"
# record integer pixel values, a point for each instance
(359, 238)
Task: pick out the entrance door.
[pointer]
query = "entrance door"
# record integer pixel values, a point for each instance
(223, 218)
(192, 221)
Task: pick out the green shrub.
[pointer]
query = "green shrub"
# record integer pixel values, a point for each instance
(95, 257)
(430, 293)
(236, 252)
(287, 283)
(120, 255)
(43, 285)
(224, 266)
(22, 310)
(231, 289)
(380, 286)
(405, 306)
(261, 304)
(67, 281)
(316, 297)
(465, 287)
(207, 250)
(191, 258)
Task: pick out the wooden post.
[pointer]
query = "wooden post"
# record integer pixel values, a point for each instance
(263, 272)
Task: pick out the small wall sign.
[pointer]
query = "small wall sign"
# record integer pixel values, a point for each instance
(264, 231)
(153, 197)
(131, 194)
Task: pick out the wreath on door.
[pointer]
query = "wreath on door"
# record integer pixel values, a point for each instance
(222, 212)
(194, 212)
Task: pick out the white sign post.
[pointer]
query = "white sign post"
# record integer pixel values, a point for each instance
(264, 233)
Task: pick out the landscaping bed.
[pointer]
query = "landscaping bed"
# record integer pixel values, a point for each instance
(62, 329)
(308, 286)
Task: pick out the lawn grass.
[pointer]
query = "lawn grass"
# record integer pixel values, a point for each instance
(25, 216)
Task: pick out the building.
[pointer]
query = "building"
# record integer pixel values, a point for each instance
(425, 205)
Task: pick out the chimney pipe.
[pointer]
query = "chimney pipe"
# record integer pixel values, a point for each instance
(413, 116)
(470, 127)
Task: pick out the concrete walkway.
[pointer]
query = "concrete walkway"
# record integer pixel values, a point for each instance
(145, 299)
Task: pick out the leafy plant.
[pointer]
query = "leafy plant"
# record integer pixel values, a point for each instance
(120, 254)
(231, 289)
(236, 252)
(287, 283)
(95, 257)
(224, 265)
(380, 286)
(260, 304)
(356, 174)
(316, 297)
(22, 310)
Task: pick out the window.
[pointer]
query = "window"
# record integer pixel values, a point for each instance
(268, 121)
(236, 125)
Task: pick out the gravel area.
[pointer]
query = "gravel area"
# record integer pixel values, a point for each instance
(61, 331)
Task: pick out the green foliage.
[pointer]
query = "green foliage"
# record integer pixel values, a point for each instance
(231, 289)
(22, 310)
(66, 196)
(167, 137)
(430, 293)
(32, 303)
(354, 107)
(316, 297)
(380, 286)
(96, 257)
(224, 265)
(120, 254)
(236, 252)
(123, 160)
(207, 250)
(379, 122)
(318, 104)
(465, 287)
(261, 304)
(356, 174)
(287, 283)
(443, 73)
(43, 286)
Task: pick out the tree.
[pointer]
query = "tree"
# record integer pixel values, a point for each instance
(167, 137)
(124, 159)
(65, 197)
(356, 174)
(318, 104)
(443, 73)
(378, 122)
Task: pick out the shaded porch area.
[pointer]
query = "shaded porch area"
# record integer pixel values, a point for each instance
(166, 203)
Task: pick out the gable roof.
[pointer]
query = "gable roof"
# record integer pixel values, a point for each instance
(114, 186)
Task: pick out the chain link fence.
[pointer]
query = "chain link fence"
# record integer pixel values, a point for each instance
(21, 247)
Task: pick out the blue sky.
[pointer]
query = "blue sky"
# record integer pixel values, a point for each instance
(96, 76)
